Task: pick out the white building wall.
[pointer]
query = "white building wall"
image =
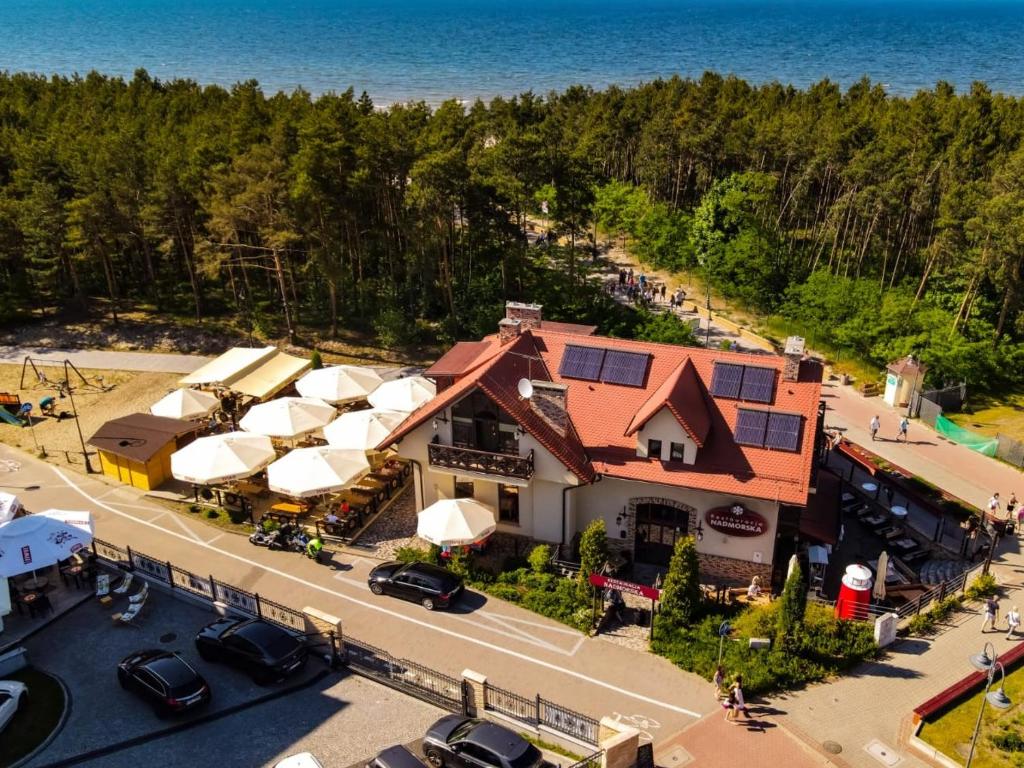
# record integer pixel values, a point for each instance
(665, 427)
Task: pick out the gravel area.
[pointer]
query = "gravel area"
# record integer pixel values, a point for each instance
(630, 635)
(394, 529)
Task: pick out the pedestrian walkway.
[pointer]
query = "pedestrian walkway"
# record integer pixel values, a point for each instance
(105, 360)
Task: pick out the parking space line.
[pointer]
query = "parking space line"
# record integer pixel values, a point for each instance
(394, 614)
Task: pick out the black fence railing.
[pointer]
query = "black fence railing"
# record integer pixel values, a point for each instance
(422, 682)
(205, 587)
(539, 711)
(590, 761)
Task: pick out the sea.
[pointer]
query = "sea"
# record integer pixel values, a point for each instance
(433, 50)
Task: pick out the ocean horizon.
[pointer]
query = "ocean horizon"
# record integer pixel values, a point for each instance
(433, 50)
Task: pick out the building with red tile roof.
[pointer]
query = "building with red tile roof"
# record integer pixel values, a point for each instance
(556, 427)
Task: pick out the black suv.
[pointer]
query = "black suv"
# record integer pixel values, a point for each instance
(464, 742)
(165, 680)
(264, 650)
(430, 586)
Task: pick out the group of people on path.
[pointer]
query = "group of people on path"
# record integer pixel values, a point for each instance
(731, 698)
(876, 424)
(992, 618)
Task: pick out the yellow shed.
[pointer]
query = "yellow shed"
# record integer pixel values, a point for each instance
(136, 449)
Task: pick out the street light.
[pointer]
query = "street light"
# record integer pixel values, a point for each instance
(987, 662)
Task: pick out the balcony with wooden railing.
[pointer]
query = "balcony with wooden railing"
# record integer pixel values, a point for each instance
(484, 462)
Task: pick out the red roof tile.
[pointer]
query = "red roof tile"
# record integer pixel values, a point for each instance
(606, 416)
(556, 327)
(683, 395)
(458, 359)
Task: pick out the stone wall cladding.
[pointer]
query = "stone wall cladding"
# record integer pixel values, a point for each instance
(548, 402)
(508, 330)
(729, 572)
(791, 368)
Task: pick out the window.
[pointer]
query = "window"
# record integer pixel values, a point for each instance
(463, 490)
(654, 449)
(462, 432)
(676, 451)
(508, 504)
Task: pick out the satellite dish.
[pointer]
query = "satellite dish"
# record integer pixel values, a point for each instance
(525, 389)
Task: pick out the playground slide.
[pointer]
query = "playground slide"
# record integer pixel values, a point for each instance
(6, 415)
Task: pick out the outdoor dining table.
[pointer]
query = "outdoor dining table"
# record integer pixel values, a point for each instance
(34, 583)
(72, 572)
(869, 487)
(290, 509)
(875, 520)
(905, 544)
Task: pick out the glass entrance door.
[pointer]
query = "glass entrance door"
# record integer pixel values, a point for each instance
(657, 528)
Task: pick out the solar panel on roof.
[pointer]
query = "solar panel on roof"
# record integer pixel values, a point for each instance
(750, 427)
(758, 384)
(627, 368)
(783, 431)
(725, 380)
(581, 362)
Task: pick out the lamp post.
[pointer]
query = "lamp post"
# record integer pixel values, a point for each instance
(987, 662)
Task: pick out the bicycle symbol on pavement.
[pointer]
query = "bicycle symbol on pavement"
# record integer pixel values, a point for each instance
(642, 723)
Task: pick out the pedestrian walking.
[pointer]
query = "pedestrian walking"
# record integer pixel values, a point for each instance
(719, 681)
(664, 289)
(1012, 621)
(739, 704)
(992, 511)
(991, 614)
(874, 426)
(904, 426)
(729, 705)
(622, 277)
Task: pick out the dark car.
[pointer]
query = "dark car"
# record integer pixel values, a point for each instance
(465, 742)
(266, 651)
(426, 584)
(165, 680)
(395, 757)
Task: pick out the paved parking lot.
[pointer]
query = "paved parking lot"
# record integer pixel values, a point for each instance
(343, 718)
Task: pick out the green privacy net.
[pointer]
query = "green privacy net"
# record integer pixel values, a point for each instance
(980, 443)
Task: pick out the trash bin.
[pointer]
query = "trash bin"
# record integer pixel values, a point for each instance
(642, 617)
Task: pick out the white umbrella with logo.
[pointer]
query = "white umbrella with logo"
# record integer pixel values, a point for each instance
(38, 541)
(339, 383)
(455, 522)
(9, 506)
(219, 458)
(288, 417)
(315, 471)
(406, 394)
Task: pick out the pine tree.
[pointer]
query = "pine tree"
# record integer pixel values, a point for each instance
(792, 606)
(681, 597)
(593, 553)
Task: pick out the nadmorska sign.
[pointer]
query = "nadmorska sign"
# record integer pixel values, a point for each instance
(736, 520)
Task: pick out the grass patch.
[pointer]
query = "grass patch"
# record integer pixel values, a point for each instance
(989, 416)
(824, 647)
(1002, 731)
(37, 718)
(842, 360)
(548, 746)
(218, 517)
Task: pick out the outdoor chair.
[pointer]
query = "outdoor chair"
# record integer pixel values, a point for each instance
(122, 588)
(141, 595)
(130, 617)
(103, 585)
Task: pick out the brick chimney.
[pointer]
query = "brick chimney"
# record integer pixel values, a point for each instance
(508, 330)
(793, 354)
(528, 314)
(548, 402)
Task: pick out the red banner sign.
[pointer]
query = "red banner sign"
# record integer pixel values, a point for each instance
(625, 586)
(736, 520)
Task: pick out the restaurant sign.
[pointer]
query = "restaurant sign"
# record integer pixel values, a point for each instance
(736, 520)
(625, 586)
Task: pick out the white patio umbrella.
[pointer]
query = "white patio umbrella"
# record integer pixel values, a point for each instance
(339, 383)
(38, 541)
(455, 522)
(882, 572)
(219, 458)
(315, 471)
(287, 417)
(363, 430)
(185, 404)
(406, 394)
(9, 506)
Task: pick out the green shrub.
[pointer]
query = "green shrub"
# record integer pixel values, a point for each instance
(593, 554)
(922, 624)
(194, 507)
(540, 558)
(792, 606)
(411, 555)
(238, 516)
(983, 586)
(459, 564)
(1008, 741)
(315, 360)
(681, 596)
(505, 592)
(212, 514)
(725, 344)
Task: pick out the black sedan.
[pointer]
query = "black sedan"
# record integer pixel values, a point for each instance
(464, 742)
(165, 680)
(265, 651)
(423, 583)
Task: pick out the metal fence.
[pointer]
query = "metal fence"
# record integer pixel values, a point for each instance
(204, 587)
(422, 682)
(941, 592)
(539, 711)
(590, 761)
(1009, 450)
